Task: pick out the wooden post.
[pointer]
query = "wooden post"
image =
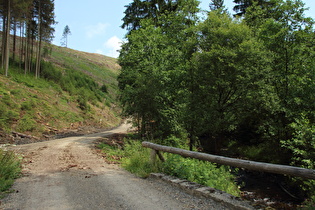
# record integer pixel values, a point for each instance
(250, 165)
(153, 156)
(160, 155)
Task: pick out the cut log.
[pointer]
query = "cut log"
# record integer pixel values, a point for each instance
(24, 135)
(247, 164)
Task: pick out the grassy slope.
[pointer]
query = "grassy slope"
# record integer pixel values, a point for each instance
(37, 106)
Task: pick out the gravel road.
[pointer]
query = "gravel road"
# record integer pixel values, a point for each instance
(69, 174)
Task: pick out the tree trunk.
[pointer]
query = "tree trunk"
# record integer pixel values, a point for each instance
(21, 44)
(3, 41)
(7, 48)
(27, 49)
(14, 41)
(38, 59)
(38, 56)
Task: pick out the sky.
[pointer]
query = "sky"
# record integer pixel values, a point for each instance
(95, 26)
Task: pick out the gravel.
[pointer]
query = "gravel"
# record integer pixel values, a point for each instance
(68, 174)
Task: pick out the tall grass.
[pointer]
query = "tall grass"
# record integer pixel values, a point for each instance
(136, 159)
(9, 169)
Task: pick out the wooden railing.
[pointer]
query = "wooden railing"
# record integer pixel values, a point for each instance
(246, 164)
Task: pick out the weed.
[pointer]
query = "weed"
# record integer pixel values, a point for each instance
(26, 123)
(16, 91)
(28, 105)
(7, 117)
(202, 172)
(136, 159)
(9, 169)
(112, 153)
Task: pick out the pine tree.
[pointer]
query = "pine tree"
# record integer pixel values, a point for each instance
(216, 4)
(44, 10)
(242, 5)
(144, 9)
(65, 34)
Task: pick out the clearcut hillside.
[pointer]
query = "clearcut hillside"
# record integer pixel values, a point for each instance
(76, 91)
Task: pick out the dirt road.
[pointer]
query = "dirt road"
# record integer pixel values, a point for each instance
(68, 174)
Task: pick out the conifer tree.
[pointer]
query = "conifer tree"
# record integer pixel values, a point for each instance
(44, 11)
(242, 5)
(145, 9)
(65, 34)
(216, 4)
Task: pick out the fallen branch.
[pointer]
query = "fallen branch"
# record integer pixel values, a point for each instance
(24, 135)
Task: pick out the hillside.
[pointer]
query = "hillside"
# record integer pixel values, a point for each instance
(76, 93)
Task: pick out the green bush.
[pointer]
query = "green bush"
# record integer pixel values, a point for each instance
(49, 72)
(83, 105)
(6, 99)
(302, 146)
(26, 123)
(201, 172)
(104, 88)
(28, 105)
(112, 153)
(137, 159)
(7, 117)
(9, 169)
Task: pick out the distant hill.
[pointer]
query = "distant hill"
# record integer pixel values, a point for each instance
(76, 90)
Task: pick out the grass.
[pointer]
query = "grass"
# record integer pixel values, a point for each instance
(71, 91)
(136, 159)
(9, 170)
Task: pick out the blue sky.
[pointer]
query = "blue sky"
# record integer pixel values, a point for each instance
(95, 24)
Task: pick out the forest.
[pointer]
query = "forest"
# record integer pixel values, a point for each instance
(239, 85)
(32, 21)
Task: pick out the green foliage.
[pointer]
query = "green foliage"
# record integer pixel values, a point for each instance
(82, 102)
(137, 159)
(28, 105)
(113, 153)
(302, 144)
(201, 172)
(77, 83)
(230, 84)
(153, 69)
(239, 84)
(9, 169)
(27, 123)
(104, 88)
(49, 72)
(7, 117)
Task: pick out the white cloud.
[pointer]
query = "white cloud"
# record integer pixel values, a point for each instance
(94, 30)
(113, 45)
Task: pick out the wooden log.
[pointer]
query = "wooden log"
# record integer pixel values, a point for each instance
(25, 135)
(247, 164)
(153, 156)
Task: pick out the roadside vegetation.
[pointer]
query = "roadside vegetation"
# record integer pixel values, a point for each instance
(136, 159)
(9, 170)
